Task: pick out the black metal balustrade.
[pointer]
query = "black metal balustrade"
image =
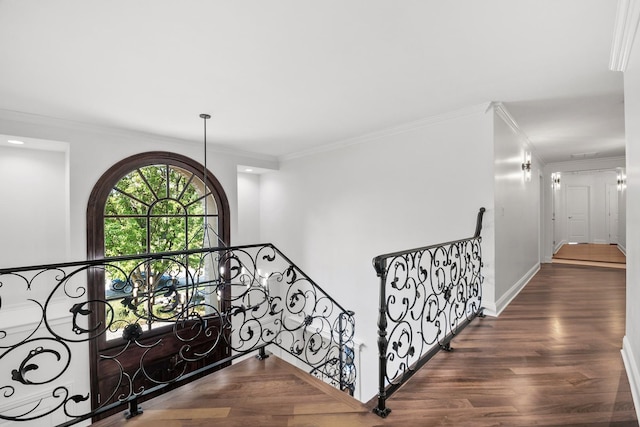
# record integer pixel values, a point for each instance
(242, 298)
(427, 295)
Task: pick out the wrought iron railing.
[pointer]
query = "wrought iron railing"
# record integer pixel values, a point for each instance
(427, 295)
(243, 299)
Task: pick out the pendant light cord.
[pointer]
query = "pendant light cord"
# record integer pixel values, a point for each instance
(205, 117)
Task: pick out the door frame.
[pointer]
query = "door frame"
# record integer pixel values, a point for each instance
(612, 189)
(587, 213)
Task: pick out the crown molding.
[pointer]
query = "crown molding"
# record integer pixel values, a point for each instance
(504, 114)
(597, 164)
(407, 127)
(51, 128)
(625, 29)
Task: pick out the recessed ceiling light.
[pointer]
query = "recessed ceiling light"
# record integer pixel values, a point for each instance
(15, 141)
(248, 170)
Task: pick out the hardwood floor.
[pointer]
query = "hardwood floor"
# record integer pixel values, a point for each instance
(252, 393)
(591, 254)
(552, 358)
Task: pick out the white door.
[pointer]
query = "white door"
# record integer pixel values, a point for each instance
(578, 213)
(612, 211)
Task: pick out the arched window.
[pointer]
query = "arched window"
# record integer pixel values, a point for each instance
(146, 204)
(152, 203)
(148, 192)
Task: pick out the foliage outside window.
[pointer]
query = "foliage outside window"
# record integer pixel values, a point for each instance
(156, 209)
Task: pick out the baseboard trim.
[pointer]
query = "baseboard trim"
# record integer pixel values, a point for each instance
(557, 247)
(622, 249)
(632, 373)
(513, 292)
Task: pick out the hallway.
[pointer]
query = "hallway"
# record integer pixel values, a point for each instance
(552, 358)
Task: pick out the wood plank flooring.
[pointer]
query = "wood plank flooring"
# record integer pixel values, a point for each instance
(253, 392)
(552, 358)
(587, 253)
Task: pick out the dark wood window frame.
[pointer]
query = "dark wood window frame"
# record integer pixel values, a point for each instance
(95, 224)
(98, 198)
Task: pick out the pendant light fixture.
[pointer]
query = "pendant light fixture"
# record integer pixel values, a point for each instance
(206, 242)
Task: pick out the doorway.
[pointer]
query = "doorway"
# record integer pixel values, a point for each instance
(578, 204)
(584, 208)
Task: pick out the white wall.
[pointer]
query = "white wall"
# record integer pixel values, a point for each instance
(332, 212)
(34, 200)
(34, 229)
(622, 214)
(597, 182)
(517, 210)
(60, 185)
(631, 344)
(93, 150)
(248, 209)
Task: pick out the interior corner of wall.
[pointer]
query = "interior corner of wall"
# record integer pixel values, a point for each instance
(505, 299)
(489, 295)
(490, 310)
(633, 372)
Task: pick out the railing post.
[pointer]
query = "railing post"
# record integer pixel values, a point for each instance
(262, 354)
(134, 409)
(479, 222)
(381, 410)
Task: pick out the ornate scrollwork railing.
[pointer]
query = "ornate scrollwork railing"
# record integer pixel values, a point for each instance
(427, 295)
(240, 299)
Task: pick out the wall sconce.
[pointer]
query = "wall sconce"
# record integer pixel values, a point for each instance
(526, 166)
(621, 180)
(555, 180)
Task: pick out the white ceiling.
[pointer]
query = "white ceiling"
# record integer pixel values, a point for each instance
(285, 76)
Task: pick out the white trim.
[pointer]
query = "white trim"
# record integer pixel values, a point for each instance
(622, 249)
(313, 328)
(611, 188)
(489, 309)
(368, 137)
(626, 26)
(513, 292)
(14, 316)
(559, 245)
(504, 114)
(632, 373)
(585, 165)
(35, 120)
(45, 401)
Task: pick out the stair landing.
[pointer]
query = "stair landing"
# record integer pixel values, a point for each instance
(252, 392)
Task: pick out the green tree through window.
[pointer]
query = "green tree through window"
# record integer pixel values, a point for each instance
(155, 203)
(158, 208)
(155, 209)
